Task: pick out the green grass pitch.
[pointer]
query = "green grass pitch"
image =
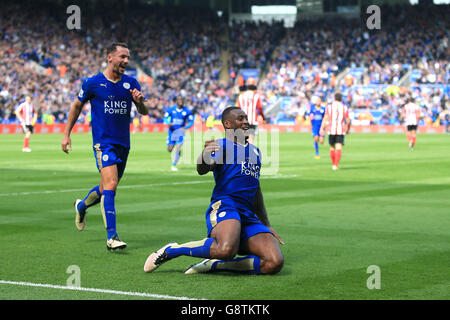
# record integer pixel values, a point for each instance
(387, 207)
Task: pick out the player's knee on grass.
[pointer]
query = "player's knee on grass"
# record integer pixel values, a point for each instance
(272, 264)
(224, 251)
(170, 148)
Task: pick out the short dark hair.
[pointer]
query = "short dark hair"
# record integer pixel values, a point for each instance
(227, 111)
(113, 47)
(338, 96)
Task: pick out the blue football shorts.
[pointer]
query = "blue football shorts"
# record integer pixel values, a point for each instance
(315, 130)
(227, 209)
(111, 154)
(175, 137)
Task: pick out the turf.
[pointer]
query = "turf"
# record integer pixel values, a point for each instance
(386, 206)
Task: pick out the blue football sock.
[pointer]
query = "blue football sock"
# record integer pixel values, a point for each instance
(199, 249)
(176, 158)
(92, 198)
(109, 212)
(316, 147)
(248, 264)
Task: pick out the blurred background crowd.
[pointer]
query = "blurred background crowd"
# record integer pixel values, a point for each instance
(198, 54)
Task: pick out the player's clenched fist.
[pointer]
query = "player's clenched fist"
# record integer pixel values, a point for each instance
(137, 95)
(210, 147)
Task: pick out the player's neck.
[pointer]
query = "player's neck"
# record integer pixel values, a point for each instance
(112, 76)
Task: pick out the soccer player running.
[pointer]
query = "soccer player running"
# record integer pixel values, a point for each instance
(250, 102)
(27, 116)
(411, 116)
(337, 121)
(315, 115)
(179, 119)
(111, 94)
(236, 218)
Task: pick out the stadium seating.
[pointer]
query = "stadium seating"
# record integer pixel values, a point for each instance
(373, 68)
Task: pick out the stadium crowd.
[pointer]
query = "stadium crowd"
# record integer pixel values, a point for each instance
(312, 55)
(48, 61)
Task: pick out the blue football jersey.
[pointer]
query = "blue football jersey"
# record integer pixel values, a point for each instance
(236, 173)
(110, 108)
(316, 115)
(179, 118)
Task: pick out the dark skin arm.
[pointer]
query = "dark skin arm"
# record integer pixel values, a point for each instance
(260, 210)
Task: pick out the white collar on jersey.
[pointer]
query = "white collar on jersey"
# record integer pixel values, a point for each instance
(110, 79)
(244, 145)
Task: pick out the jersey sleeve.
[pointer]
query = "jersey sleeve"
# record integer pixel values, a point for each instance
(328, 111)
(308, 111)
(85, 93)
(190, 119)
(167, 118)
(260, 109)
(19, 108)
(136, 85)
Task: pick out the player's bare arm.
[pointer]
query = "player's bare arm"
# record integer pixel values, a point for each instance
(20, 120)
(349, 124)
(33, 121)
(323, 125)
(74, 113)
(205, 163)
(138, 100)
(19, 116)
(260, 211)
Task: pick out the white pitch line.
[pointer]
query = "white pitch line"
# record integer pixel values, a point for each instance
(126, 293)
(26, 193)
(84, 189)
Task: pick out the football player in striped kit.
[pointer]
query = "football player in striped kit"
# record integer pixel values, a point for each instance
(411, 115)
(337, 121)
(250, 102)
(27, 115)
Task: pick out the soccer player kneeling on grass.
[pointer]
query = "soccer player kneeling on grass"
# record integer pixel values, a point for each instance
(236, 219)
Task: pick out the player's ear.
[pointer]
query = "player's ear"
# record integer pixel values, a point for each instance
(227, 124)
